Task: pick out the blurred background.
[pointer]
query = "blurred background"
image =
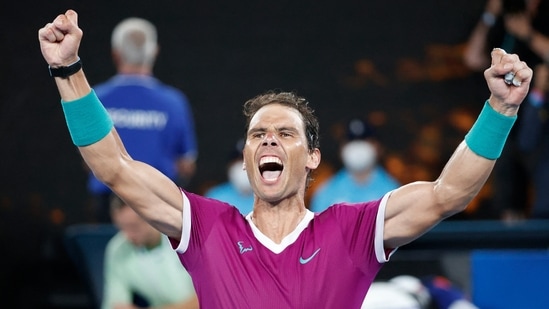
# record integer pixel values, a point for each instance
(396, 63)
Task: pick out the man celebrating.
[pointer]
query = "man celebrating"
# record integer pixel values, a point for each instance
(281, 255)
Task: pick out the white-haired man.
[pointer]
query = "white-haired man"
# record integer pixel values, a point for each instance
(154, 120)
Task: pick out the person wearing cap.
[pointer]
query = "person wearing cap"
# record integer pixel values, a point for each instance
(236, 190)
(361, 178)
(153, 119)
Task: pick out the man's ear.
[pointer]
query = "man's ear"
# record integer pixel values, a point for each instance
(314, 159)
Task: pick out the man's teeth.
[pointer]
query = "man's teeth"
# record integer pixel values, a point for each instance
(266, 160)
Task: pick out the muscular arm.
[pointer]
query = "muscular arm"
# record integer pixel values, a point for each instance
(150, 193)
(415, 208)
(155, 197)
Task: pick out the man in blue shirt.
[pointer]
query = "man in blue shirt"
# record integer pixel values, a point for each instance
(361, 178)
(154, 120)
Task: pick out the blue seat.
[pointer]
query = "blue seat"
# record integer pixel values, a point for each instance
(510, 279)
(85, 245)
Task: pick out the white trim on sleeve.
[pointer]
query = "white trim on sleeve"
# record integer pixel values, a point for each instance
(380, 226)
(186, 225)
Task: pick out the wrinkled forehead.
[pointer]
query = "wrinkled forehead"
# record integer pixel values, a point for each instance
(277, 116)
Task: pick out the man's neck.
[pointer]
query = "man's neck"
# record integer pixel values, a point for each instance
(278, 221)
(362, 176)
(134, 70)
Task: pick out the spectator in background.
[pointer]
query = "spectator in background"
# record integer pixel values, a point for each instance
(236, 190)
(154, 120)
(533, 139)
(517, 26)
(139, 261)
(409, 292)
(362, 178)
(521, 27)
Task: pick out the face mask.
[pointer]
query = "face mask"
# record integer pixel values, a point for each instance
(358, 156)
(239, 178)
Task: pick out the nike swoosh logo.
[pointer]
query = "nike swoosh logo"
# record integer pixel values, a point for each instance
(307, 260)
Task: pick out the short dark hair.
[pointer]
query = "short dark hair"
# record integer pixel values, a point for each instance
(292, 100)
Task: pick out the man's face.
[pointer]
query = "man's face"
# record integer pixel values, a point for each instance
(136, 230)
(276, 154)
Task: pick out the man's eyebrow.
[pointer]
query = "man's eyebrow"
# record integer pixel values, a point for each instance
(290, 129)
(255, 130)
(262, 129)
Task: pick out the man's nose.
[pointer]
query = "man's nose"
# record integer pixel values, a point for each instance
(270, 140)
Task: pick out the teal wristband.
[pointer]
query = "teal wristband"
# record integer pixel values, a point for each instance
(489, 133)
(87, 119)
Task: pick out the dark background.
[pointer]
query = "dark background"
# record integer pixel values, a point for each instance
(397, 59)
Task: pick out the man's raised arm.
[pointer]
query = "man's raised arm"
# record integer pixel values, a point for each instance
(154, 196)
(415, 208)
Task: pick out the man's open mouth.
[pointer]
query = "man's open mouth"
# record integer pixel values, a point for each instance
(270, 167)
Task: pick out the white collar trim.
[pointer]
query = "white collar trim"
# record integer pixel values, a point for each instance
(286, 241)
